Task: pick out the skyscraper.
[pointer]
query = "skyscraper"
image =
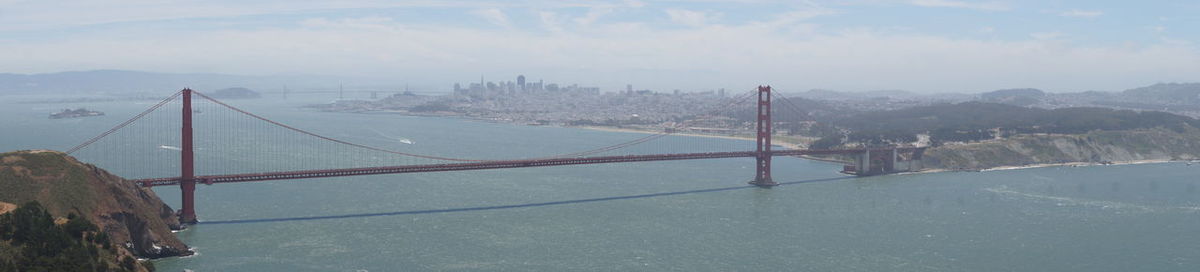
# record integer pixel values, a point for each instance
(521, 82)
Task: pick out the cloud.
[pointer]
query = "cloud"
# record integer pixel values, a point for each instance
(1081, 13)
(612, 55)
(801, 14)
(990, 6)
(551, 21)
(689, 17)
(1046, 35)
(39, 15)
(604, 46)
(493, 16)
(592, 15)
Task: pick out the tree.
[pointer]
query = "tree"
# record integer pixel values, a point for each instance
(43, 246)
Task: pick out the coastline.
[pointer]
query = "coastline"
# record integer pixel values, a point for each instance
(784, 145)
(1045, 165)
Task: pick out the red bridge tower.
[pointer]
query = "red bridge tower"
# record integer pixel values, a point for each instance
(762, 176)
(187, 176)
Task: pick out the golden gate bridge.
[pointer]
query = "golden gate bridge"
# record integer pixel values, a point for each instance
(867, 161)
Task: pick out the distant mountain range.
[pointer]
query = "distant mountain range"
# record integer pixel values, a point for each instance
(121, 81)
(1177, 92)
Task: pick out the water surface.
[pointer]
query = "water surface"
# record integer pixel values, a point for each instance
(660, 216)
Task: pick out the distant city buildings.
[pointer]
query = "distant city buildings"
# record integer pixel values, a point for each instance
(521, 82)
(522, 87)
(485, 89)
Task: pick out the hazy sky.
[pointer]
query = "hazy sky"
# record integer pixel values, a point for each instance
(852, 45)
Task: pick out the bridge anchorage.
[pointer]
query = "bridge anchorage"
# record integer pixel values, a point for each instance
(861, 161)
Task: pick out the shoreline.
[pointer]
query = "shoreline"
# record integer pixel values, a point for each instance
(783, 144)
(1047, 165)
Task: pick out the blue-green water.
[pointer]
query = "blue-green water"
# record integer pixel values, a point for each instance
(662, 216)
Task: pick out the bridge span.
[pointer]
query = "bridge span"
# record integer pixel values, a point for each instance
(327, 173)
(864, 161)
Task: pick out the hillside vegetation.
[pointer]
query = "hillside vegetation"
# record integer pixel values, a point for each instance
(32, 240)
(976, 121)
(1093, 147)
(131, 217)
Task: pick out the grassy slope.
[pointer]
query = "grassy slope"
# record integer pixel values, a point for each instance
(64, 185)
(1095, 146)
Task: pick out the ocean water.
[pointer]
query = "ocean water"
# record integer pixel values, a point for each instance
(694, 215)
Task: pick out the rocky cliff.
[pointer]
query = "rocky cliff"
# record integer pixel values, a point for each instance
(1091, 147)
(137, 221)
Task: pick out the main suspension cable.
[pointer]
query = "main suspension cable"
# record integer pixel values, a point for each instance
(123, 124)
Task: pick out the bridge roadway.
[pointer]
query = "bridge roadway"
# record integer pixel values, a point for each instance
(301, 174)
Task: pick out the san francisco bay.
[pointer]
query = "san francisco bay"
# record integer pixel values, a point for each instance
(696, 215)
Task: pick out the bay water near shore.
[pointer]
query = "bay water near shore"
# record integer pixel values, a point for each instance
(696, 215)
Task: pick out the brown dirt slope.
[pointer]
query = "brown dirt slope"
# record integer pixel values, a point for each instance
(138, 221)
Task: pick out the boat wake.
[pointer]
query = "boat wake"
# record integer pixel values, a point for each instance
(398, 139)
(1101, 204)
(167, 147)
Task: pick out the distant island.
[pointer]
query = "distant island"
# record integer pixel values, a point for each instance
(58, 214)
(234, 93)
(75, 113)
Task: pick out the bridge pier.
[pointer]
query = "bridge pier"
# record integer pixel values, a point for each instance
(863, 163)
(187, 177)
(885, 161)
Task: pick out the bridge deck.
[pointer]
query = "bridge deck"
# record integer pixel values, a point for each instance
(249, 177)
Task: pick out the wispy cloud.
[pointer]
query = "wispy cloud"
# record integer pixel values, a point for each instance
(608, 43)
(992, 6)
(37, 15)
(493, 16)
(551, 21)
(592, 15)
(438, 55)
(689, 17)
(1081, 13)
(1046, 35)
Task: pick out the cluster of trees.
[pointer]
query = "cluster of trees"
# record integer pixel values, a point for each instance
(41, 245)
(975, 121)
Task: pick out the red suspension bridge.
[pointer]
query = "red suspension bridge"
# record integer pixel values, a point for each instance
(868, 161)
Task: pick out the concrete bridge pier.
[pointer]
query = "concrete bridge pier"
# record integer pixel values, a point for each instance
(863, 163)
(873, 162)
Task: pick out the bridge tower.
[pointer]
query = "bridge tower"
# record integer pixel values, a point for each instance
(762, 176)
(187, 180)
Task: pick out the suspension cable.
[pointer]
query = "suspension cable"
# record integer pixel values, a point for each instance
(328, 138)
(123, 124)
(637, 141)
